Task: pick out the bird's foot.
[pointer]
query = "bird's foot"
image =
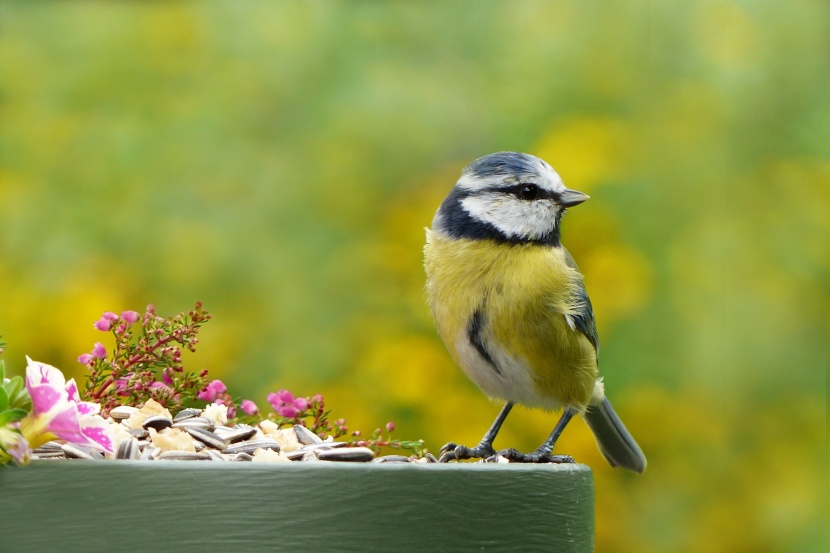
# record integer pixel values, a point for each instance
(538, 456)
(452, 451)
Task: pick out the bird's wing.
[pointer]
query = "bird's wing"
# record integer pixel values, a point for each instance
(584, 319)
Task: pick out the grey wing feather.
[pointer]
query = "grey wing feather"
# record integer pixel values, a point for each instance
(584, 320)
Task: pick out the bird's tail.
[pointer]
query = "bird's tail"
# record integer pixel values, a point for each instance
(615, 441)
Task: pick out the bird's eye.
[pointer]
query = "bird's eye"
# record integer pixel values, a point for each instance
(529, 192)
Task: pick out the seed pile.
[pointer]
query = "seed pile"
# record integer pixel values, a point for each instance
(152, 434)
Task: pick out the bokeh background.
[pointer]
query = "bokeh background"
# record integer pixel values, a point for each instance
(279, 162)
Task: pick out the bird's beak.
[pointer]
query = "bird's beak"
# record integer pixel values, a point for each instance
(570, 198)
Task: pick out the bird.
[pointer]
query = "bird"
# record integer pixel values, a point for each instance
(512, 309)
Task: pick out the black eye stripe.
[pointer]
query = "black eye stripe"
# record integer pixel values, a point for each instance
(519, 190)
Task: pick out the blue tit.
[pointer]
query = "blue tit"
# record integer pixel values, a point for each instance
(511, 307)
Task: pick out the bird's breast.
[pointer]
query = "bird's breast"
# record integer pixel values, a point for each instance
(501, 311)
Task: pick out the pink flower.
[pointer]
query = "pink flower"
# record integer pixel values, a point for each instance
(109, 316)
(122, 387)
(301, 403)
(99, 350)
(167, 376)
(212, 391)
(85, 359)
(103, 325)
(129, 316)
(286, 405)
(390, 426)
(249, 407)
(57, 408)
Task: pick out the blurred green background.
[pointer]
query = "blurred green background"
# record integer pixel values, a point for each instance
(279, 162)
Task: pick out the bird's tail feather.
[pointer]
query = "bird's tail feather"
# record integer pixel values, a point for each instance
(614, 440)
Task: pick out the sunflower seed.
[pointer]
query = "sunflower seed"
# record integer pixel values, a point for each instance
(157, 422)
(73, 451)
(174, 455)
(139, 433)
(295, 455)
(208, 438)
(49, 455)
(323, 445)
(194, 422)
(49, 447)
(391, 459)
(150, 453)
(236, 434)
(122, 412)
(241, 457)
(306, 436)
(353, 454)
(186, 414)
(215, 455)
(128, 449)
(251, 446)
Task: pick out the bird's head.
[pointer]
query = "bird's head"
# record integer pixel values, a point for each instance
(507, 196)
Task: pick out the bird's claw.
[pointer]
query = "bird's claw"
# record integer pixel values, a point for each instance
(452, 451)
(538, 456)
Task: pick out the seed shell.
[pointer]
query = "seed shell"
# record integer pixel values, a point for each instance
(175, 455)
(350, 454)
(208, 438)
(157, 422)
(122, 412)
(186, 414)
(251, 446)
(128, 449)
(194, 422)
(306, 436)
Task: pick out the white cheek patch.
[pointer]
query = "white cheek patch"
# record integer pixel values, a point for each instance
(513, 217)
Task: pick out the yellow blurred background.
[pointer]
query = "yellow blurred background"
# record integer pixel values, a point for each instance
(279, 162)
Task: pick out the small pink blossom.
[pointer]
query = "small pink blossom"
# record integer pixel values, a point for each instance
(249, 407)
(103, 325)
(286, 405)
(85, 359)
(167, 376)
(130, 316)
(99, 350)
(390, 426)
(301, 403)
(231, 410)
(212, 391)
(159, 386)
(122, 387)
(109, 316)
(287, 411)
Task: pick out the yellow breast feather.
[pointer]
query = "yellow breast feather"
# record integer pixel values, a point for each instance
(524, 291)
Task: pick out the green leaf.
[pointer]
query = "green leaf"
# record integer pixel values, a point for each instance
(11, 415)
(2, 371)
(4, 399)
(17, 393)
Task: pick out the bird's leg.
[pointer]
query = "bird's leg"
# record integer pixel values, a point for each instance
(543, 452)
(484, 449)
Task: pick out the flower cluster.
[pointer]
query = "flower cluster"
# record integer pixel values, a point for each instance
(286, 405)
(145, 364)
(146, 361)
